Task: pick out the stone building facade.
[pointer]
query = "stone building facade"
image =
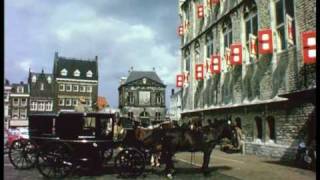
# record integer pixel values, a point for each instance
(74, 78)
(269, 95)
(41, 93)
(142, 97)
(175, 106)
(18, 103)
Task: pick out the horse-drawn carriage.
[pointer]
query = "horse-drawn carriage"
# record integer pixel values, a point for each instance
(59, 143)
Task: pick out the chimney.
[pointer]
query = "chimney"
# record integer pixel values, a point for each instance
(96, 58)
(172, 92)
(123, 80)
(21, 82)
(56, 55)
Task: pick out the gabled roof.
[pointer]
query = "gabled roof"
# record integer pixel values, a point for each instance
(16, 85)
(35, 87)
(71, 65)
(136, 75)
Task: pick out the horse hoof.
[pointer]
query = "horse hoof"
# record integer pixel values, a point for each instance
(169, 176)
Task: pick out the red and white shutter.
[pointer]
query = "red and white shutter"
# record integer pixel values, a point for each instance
(180, 30)
(199, 71)
(253, 46)
(215, 64)
(309, 50)
(265, 41)
(200, 11)
(179, 80)
(236, 54)
(289, 29)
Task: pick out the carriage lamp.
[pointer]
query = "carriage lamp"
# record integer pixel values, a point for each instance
(95, 144)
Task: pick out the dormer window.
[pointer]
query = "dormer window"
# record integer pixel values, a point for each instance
(34, 78)
(20, 89)
(89, 73)
(41, 86)
(49, 80)
(64, 72)
(76, 73)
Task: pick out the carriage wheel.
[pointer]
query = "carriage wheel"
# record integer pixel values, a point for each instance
(22, 154)
(54, 160)
(130, 163)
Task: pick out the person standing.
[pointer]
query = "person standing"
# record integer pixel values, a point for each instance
(81, 107)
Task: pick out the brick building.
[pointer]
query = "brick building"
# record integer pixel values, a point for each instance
(18, 103)
(142, 97)
(251, 61)
(41, 92)
(74, 78)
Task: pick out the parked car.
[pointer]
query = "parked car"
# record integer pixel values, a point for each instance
(15, 134)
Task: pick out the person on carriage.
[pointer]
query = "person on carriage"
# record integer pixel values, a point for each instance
(81, 107)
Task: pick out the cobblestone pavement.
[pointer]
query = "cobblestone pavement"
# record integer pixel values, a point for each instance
(222, 166)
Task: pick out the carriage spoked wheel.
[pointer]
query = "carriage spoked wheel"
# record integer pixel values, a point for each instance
(55, 160)
(130, 163)
(22, 154)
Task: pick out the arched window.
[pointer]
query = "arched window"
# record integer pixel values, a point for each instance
(271, 128)
(187, 60)
(251, 25)
(64, 72)
(49, 79)
(258, 122)
(89, 73)
(76, 73)
(209, 45)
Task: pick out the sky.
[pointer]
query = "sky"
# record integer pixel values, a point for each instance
(122, 33)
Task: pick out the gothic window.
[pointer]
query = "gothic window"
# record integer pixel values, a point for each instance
(258, 124)
(284, 8)
(89, 73)
(33, 106)
(271, 128)
(41, 86)
(187, 60)
(209, 45)
(34, 78)
(76, 73)
(64, 72)
(251, 23)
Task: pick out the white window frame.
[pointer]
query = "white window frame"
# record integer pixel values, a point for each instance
(34, 78)
(14, 103)
(64, 72)
(62, 87)
(75, 88)
(48, 106)
(25, 102)
(15, 111)
(68, 85)
(75, 102)
(33, 106)
(49, 79)
(61, 102)
(89, 89)
(68, 102)
(41, 106)
(76, 73)
(82, 88)
(23, 113)
(20, 89)
(41, 87)
(89, 73)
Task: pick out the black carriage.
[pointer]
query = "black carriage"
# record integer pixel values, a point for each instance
(61, 142)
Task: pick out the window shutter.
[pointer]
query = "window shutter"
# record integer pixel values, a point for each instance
(309, 47)
(179, 80)
(215, 64)
(180, 30)
(236, 54)
(265, 41)
(199, 71)
(200, 11)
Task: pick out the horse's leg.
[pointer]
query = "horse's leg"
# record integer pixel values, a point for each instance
(206, 159)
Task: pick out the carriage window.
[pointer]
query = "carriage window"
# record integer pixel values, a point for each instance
(106, 126)
(89, 126)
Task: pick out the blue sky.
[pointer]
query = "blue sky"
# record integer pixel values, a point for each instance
(122, 33)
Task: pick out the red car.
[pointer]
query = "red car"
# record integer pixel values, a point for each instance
(12, 135)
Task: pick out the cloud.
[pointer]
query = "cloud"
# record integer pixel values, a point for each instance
(24, 65)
